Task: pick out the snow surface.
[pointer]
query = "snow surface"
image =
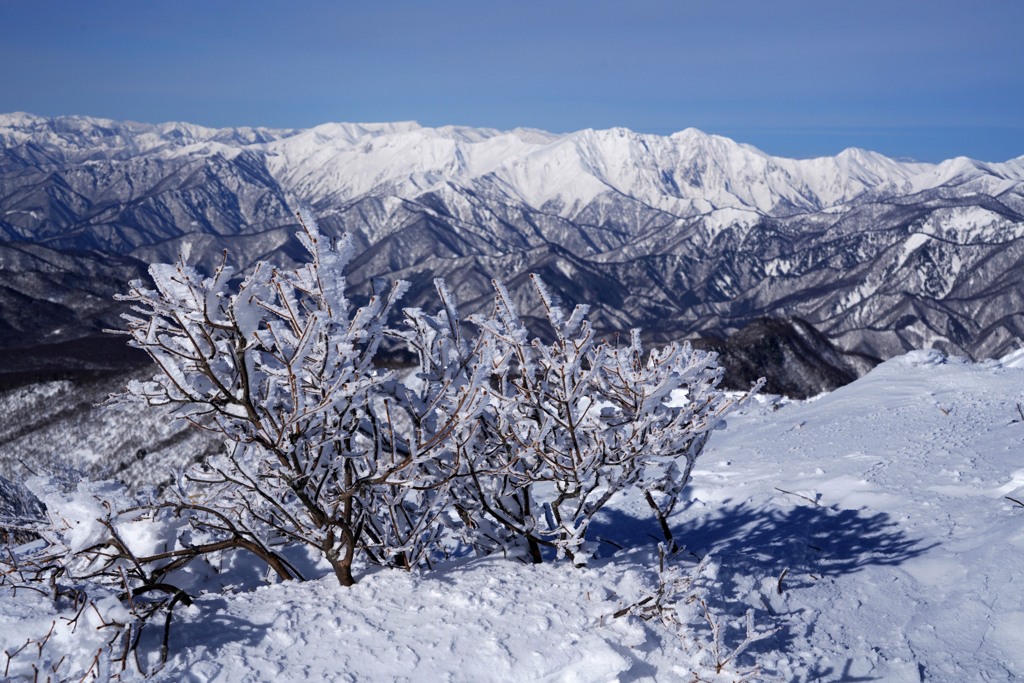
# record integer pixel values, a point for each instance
(870, 525)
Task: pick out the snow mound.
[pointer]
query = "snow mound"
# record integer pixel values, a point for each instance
(492, 621)
(1013, 360)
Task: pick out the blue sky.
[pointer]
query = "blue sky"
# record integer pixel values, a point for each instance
(929, 80)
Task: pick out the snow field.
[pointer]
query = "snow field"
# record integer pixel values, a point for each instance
(871, 526)
(911, 562)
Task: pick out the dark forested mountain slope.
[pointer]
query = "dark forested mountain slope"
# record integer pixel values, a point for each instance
(684, 235)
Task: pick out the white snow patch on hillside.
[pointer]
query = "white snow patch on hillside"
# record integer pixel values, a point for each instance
(971, 224)
(717, 221)
(913, 243)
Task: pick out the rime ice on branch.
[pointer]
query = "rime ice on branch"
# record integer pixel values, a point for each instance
(503, 441)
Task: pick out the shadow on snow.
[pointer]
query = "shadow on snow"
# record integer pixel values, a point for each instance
(753, 543)
(765, 540)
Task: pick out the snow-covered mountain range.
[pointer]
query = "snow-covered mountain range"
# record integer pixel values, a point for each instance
(681, 235)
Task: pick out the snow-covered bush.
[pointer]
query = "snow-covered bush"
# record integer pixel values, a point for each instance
(677, 604)
(113, 567)
(325, 448)
(505, 439)
(576, 421)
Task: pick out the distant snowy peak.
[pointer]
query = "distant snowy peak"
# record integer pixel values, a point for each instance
(994, 178)
(686, 173)
(82, 137)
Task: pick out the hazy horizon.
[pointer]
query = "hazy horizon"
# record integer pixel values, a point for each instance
(798, 79)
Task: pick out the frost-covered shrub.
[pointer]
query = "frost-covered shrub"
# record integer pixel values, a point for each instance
(325, 448)
(501, 439)
(575, 421)
(113, 567)
(713, 643)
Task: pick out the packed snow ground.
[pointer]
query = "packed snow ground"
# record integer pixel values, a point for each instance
(871, 526)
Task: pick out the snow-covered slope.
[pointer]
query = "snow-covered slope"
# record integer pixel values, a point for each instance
(65, 426)
(873, 527)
